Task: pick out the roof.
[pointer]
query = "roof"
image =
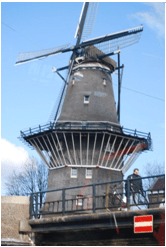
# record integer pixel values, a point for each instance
(158, 184)
(92, 53)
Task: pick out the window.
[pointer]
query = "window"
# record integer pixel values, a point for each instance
(86, 99)
(73, 172)
(79, 200)
(88, 173)
(104, 81)
(109, 147)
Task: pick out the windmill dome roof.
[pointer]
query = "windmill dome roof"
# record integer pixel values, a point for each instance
(92, 53)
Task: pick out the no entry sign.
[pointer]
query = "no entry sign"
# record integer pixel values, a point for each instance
(143, 223)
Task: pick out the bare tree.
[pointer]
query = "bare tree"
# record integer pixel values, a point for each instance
(33, 178)
(152, 170)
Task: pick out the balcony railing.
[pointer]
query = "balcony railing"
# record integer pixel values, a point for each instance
(82, 125)
(116, 195)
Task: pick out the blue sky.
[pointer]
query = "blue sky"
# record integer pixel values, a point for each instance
(29, 91)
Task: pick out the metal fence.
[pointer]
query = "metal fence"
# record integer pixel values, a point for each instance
(116, 195)
(83, 125)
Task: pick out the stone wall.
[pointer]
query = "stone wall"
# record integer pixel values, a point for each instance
(61, 178)
(13, 210)
(101, 105)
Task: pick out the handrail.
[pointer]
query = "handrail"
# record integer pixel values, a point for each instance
(83, 125)
(39, 208)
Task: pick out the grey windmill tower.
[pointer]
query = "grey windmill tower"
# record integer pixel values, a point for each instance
(85, 140)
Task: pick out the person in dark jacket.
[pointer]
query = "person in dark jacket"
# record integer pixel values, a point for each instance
(135, 185)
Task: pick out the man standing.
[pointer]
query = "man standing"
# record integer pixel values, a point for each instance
(135, 186)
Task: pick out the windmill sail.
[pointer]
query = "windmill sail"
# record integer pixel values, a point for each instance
(24, 57)
(109, 43)
(90, 20)
(74, 54)
(54, 110)
(105, 43)
(120, 42)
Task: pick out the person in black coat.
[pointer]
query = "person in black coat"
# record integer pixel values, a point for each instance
(135, 185)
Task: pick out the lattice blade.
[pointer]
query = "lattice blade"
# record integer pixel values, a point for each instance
(110, 42)
(90, 20)
(119, 43)
(81, 22)
(24, 57)
(55, 108)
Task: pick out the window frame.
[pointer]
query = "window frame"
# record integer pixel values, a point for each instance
(88, 176)
(86, 101)
(104, 81)
(79, 200)
(71, 175)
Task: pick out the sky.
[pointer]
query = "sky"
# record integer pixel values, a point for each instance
(30, 91)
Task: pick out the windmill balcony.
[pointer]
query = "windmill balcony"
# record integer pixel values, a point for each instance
(87, 144)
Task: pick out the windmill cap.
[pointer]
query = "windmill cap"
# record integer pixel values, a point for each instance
(92, 54)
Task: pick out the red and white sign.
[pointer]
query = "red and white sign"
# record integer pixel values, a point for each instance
(143, 224)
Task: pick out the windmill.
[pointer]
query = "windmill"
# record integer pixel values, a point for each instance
(107, 43)
(85, 133)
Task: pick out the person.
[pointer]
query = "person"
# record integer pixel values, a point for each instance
(135, 185)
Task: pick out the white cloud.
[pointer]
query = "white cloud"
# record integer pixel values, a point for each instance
(12, 158)
(154, 18)
(12, 154)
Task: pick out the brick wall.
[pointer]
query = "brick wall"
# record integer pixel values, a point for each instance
(14, 209)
